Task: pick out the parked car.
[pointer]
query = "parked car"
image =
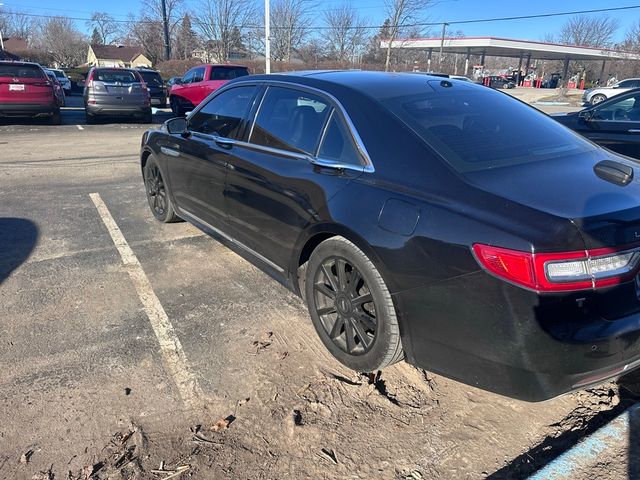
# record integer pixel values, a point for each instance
(62, 78)
(496, 81)
(116, 91)
(57, 87)
(26, 91)
(199, 82)
(613, 123)
(593, 96)
(156, 86)
(463, 230)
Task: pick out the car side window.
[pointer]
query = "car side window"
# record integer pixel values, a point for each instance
(290, 120)
(622, 110)
(626, 84)
(338, 144)
(198, 75)
(224, 113)
(188, 77)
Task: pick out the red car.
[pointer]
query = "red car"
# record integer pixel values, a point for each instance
(199, 82)
(26, 91)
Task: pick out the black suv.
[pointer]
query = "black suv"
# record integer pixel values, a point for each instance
(155, 84)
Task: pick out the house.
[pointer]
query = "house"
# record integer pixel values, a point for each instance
(117, 56)
(10, 48)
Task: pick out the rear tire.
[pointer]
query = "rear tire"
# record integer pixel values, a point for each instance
(157, 193)
(90, 119)
(147, 118)
(351, 307)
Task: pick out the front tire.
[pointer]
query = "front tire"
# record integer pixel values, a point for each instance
(175, 107)
(597, 99)
(351, 307)
(157, 194)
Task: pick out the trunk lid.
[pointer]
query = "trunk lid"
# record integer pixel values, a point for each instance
(606, 212)
(24, 83)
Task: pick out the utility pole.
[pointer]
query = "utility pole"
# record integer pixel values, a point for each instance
(444, 31)
(165, 24)
(267, 37)
(1, 40)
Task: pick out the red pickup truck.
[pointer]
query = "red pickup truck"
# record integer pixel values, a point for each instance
(199, 82)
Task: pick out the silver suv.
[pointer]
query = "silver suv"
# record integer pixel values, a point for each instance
(600, 94)
(116, 92)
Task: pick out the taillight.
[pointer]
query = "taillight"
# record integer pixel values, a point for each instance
(566, 271)
(89, 81)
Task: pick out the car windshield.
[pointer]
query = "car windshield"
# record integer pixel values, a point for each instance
(152, 79)
(479, 129)
(116, 76)
(228, 73)
(21, 71)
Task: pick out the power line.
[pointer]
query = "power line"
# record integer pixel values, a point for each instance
(420, 24)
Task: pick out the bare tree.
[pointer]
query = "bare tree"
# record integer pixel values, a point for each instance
(346, 32)
(632, 37)
(401, 14)
(219, 22)
(16, 24)
(589, 31)
(147, 34)
(60, 37)
(105, 25)
(289, 27)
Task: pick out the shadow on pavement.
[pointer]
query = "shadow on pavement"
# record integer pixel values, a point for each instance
(18, 237)
(574, 428)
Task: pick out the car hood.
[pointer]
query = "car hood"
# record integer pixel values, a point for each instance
(606, 213)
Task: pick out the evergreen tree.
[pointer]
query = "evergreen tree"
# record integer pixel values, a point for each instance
(186, 39)
(96, 39)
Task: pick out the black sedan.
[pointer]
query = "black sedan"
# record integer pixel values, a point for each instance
(614, 123)
(420, 218)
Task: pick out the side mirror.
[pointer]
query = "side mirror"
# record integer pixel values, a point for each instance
(586, 115)
(176, 126)
(178, 81)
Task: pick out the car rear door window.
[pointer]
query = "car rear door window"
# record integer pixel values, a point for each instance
(338, 144)
(223, 114)
(228, 73)
(290, 120)
(152, 79)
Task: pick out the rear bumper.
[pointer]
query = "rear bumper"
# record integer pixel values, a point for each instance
(116, 110)
(27, 109)
(498, 337)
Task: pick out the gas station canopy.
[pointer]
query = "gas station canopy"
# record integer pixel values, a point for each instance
(505, 47)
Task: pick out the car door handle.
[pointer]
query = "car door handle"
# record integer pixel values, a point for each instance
(224, 142)
(170, 151)
(634, 130)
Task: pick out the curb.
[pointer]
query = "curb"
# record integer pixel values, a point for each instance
(587, 451)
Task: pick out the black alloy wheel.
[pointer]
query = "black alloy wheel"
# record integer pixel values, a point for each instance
(157, 195)
(351, 307)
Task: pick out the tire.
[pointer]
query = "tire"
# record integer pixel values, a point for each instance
(175, 106)
(356, 321)
(597, 98)
(157, 194)
(147, 118)
(56, 118)
(90, 119)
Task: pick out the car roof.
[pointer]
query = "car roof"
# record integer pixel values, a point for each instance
(379, 85)
(19, 62)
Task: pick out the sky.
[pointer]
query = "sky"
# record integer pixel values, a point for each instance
(372, 10)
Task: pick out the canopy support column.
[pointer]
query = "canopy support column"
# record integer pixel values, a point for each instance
(526, 68)
(466, 62)
(601, 79)
(519, 70)
(430, 51)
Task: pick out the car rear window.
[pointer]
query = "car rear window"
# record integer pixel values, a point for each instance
(21, 71)
(228, 73)
(113, 76)
(59, 74)
(475, 128)
(152, 78)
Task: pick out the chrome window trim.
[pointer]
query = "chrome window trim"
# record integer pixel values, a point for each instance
(324, 132)
(230, 239)
(368, 167)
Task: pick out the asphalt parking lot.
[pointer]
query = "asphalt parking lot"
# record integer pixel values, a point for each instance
(130, 346)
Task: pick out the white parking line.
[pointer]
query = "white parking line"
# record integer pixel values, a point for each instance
(80, 127)
(172, 353)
